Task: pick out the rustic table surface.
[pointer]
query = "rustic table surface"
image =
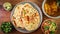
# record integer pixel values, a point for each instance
(5, 16)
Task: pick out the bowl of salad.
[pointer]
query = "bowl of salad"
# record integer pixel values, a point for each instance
(49, 26)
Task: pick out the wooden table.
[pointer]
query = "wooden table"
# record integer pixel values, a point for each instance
(5, 16)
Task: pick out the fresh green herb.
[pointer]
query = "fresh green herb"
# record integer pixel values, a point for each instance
(52, 26)
(24, 12)
(52, 32)
(6, 27)
(53, 23)
(46, 28)
(58, 2)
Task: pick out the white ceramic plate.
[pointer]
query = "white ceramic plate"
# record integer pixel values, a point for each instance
(38, 9)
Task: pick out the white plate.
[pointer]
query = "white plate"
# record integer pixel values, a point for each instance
(35, 6)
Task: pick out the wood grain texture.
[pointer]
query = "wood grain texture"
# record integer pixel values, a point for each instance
(5, 15)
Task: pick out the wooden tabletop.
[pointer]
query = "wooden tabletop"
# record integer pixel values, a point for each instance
(5, 16)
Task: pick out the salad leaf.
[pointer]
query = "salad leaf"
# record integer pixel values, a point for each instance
(46, 28)
(53, 23)
(52, 32)
(52, 26)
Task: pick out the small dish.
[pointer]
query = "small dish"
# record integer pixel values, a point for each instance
(46, 13)
(49, 26)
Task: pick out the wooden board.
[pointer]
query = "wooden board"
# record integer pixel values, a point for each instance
(5, 16)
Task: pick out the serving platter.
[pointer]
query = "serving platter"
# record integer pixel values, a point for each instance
(5, 16)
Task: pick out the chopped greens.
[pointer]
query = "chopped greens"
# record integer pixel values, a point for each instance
(24, 11)
(53, 23)
(6, 27)
(46, 27)
(52, 26)
(52, 32)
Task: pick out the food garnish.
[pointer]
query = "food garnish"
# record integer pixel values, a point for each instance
(6, 27)
(7, 6)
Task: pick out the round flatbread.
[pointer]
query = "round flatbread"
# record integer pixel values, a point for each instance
(26, 16)
(31, 19)
(17, 16)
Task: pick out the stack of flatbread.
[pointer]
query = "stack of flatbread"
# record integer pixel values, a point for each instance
(25, 16)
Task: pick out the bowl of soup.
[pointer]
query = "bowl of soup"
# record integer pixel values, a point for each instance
(51, 9)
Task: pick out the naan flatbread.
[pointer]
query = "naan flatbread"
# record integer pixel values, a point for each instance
(26, 16)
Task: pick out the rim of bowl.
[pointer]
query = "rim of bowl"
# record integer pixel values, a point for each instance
(35, 6)
(46, 13)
